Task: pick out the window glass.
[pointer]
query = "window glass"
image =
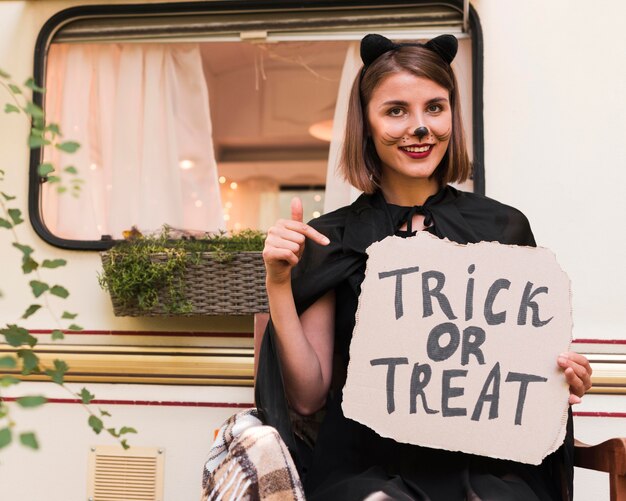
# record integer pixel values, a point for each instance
(199, 136)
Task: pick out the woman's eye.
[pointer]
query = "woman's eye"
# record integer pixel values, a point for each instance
(396, 112)
(434, 108)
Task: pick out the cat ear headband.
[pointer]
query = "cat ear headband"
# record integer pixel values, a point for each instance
(374, 46)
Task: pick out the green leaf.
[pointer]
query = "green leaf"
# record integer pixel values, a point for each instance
(44, 169)
(4, 74)
(30, 361)
(59, 291)
(104, 413)
(8, 362)
(61, 189)
(36, 141)
(54, 128)
(96, 424)
(69, 316)
(16, 216)
(5, 224)
(71, 169)
(53, 179)
(6, 381)
(75, 327)
(58, 373)
(15, 89)
(55, 263)
(11, 108)
(30, 83)
(29, 264)
(5, 437)
(32, 309)
(29, 439)
(68, 146)
(17, 336)
(113, 432)
(24, 248)
(57, 334)
(38, 123)
(85, 396)
(8, 198)
(124, 444)
(33, 110)
(127, 429)
(30, 402)
(38, 287)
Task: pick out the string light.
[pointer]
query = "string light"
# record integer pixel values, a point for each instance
(317, 198)
(186, 164)
(316, 213)
(198, 203)
(222, 179)
(233, 185)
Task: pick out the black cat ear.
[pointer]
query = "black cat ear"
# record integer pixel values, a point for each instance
(373, 46)
(444, 45)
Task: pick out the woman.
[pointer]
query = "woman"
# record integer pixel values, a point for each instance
(404, 143)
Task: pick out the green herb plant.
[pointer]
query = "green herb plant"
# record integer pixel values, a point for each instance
(23, 357)
(136, 273)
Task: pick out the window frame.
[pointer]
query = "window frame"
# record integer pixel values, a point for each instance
(63, 17)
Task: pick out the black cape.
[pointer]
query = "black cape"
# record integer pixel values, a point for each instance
(350, 461)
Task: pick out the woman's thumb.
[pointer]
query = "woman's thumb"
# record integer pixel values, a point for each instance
(296, 209)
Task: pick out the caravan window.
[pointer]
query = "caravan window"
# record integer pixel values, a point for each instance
(203, 123)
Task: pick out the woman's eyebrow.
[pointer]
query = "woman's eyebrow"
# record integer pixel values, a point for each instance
(394, 103)
(437, 100)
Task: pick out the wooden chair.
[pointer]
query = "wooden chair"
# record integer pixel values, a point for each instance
(609, 456)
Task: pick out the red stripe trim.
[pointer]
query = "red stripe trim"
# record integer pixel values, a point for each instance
(600, 341)
(232, 405)
(600, 414)
(237, 334)
(237, 405)
(148, 333)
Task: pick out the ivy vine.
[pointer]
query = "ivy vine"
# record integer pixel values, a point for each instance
(22, 357)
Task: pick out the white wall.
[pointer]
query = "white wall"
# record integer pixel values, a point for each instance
(555, 124)
(555, 121)
(58, 471)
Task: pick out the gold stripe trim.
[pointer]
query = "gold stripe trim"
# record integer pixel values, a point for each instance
(184, 366)
(218, 366)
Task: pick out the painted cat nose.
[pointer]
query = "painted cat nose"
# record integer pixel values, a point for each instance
(421, 132)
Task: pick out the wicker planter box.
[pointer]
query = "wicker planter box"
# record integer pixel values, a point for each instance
(236, 287)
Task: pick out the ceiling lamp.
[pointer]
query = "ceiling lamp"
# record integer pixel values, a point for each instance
(322, 130)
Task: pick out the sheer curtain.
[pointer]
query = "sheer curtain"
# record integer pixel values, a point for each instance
(141, 114)
(338, 191)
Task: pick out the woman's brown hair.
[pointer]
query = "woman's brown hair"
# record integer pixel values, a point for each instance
(360, 164)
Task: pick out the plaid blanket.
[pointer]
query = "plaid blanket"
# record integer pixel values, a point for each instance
(249, 461)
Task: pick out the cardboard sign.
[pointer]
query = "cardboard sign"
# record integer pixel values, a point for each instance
(455, 347)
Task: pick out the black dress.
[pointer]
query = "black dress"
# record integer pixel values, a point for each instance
(349, 460)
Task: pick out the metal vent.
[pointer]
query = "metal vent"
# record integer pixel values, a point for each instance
(132, 475)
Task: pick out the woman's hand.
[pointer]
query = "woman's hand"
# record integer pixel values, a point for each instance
(285, 243)
(577, 374)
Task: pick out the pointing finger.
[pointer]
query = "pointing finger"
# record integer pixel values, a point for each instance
(296, 209)
(308, 231)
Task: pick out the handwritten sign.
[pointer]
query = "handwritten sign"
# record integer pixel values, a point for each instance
(455, 347)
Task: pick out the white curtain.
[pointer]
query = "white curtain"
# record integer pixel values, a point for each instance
(338, 191)
(141, 114)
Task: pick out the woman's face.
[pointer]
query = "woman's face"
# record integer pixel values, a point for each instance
(400, 104)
